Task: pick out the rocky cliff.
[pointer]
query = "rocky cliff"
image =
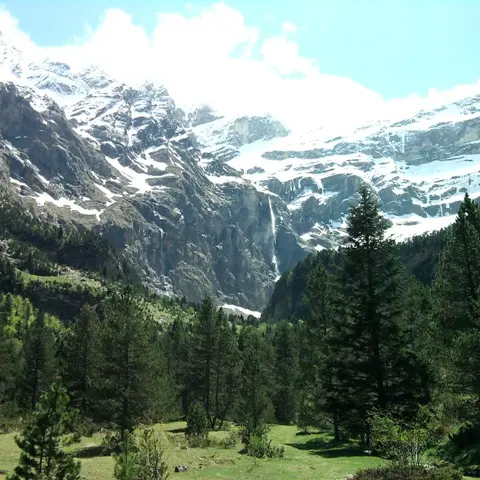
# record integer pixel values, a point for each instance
(208, 204)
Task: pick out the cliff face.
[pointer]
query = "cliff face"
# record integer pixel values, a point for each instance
(205, 204)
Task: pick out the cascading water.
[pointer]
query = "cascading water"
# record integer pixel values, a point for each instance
(403, 136)
(274, 228)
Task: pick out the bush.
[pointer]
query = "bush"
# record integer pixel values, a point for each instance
(258, 445)
(197, 425)
(230, 441)
(110, 442)
(141, 457)
(404, 444)
(447, 472)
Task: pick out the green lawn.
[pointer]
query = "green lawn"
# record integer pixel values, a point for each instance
(306, 456)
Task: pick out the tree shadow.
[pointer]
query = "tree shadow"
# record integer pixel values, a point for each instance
(329, 448)
(91, 451)
(177, 430)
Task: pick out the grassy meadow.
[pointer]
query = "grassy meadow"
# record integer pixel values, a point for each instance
(306, 457)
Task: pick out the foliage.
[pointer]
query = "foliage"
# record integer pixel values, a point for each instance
(404, 444)
(258, 445)
(462, 446)
(371, 355)
(133, 385)
(197, 424)
(255, 403)
(41, 453)
(150, 455)
(125, 464)
(141, 457)
(230, 441)
(447, 472)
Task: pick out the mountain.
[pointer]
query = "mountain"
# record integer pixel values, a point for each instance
(205, 204)
(418, 255)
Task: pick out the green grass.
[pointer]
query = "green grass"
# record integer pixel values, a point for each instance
(306, 457)
(71, 277)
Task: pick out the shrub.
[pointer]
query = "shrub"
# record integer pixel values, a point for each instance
(404, 444)
(258, 445)
(150, 455)
(110, 442)
(447, 472)
(141, 457)
(230, 441)
(197, 425)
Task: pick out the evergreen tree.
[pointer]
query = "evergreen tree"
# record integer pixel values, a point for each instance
(150, 455)
(372, 360)
(41, 453)
(125, 462)
(39, 362)
(286, 373)
(131, 377)
(457, 281)
(81, 359)
(255, 407)
(205, 340)
(9, 361)
(197, 421)
(177, 347)
(317, 390)
(457, 311)
(226, 371)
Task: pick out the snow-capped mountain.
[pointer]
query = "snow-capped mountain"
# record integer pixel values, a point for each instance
(207, 204)
(420, 168)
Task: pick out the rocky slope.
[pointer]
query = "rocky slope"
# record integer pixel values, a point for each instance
(123, 160)
(205, 204)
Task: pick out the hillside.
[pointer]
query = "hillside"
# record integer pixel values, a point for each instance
(419, 257)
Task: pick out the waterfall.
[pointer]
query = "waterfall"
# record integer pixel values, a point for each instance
(162, 250)
(403, 134)
(274, 228)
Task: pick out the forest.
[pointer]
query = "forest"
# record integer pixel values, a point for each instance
(377, 344)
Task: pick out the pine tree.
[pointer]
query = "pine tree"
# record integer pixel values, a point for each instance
(205, 339)
(371, 360)
(317, 378)
(125, 463)
(130, 375)
(177, 347)
(255, 406)
(150, 455)
(286, 373)
(457, 281)
(457, 309)
(9, 361)
(41, 452)
(81, 358)
(225, 371)
(39, 362)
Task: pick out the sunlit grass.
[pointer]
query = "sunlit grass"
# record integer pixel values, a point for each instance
(306, 457)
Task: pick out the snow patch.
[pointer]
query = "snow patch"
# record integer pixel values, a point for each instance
(43, 198)
(240, 310)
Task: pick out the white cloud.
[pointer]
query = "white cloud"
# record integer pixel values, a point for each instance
(212, 56)
(289, 27)
(283, 55)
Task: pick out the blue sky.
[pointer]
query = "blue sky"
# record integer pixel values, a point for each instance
(393, 47)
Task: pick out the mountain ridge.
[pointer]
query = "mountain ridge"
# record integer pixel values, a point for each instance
(205, 204)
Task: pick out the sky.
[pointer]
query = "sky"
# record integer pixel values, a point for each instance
(330, 57)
